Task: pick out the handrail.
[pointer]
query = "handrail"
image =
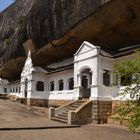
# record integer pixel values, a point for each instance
(81, 115)
(64, 107)
(82, 106)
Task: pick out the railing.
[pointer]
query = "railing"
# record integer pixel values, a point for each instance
(53, 111)
(82, 115)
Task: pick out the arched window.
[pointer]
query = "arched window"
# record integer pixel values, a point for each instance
(71, 83)
(5, 90)
(106, 78)
(40, 86)
(19, 89)
(16, 90)
(13, 90)
(10, 90)
(52, 86)
(61, 85)
(84, 82)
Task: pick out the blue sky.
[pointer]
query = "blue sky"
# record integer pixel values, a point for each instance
(4, 4)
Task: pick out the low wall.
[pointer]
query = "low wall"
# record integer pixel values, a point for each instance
(4, 96)
(57, 103)
(112, 117)
(101, 110)
(43, 102)
(83, 115)
(115, 103)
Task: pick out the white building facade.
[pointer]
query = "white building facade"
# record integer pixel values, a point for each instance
(87, 75)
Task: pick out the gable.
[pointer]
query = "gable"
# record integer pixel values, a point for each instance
(85, 47)
(28, 66)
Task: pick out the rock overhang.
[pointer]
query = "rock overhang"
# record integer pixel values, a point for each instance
(112, 27)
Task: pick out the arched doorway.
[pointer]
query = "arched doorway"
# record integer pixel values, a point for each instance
(86, 80)
(26, 88)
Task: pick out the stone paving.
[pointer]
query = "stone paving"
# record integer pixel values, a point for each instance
(15, 115)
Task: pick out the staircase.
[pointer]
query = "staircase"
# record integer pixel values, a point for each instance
(68, 113)
(3, 96)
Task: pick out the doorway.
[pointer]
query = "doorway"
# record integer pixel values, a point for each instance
(26, 88)
(85, 83)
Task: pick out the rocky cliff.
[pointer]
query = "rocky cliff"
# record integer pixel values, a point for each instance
(54, 29)
(39, 20)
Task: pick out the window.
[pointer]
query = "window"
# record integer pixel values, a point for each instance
(5, 90)
(116, 79)
(71, 84)
(52, 86)
(19, 89)
(106, 78)
(61, 84)
(16, 90)
(40, 86)
(84, 82)
(126, 80)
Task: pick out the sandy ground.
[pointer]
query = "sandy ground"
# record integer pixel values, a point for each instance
(15, 115)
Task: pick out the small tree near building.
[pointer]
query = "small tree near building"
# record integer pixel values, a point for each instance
(130, 109)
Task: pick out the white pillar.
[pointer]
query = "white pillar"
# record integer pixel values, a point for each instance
(95, 81)
(79, 80)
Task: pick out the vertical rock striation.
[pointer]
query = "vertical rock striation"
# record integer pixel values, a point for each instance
(39, 20)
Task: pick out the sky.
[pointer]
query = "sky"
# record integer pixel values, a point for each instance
(4, 4)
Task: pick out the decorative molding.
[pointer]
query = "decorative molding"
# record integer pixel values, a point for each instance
(95, 56)
(88, 45)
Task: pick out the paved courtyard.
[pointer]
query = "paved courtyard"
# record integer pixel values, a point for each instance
(15, 115)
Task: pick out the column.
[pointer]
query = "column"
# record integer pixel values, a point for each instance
(94, 86)
(77, 87)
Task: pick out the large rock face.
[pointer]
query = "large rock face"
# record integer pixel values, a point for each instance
(54, 29)
(51, 19)
(13, 29)
(39, 20)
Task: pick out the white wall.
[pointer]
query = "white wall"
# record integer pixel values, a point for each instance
(105, 63)
(56, 94)
(14, 89)
(110, 92)
(11, 88)
(29, 85)
(86, 58)
(2, 87)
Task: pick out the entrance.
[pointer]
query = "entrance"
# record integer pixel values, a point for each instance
(26, 82)
(85, 83)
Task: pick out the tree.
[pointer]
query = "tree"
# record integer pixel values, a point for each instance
(130, 109)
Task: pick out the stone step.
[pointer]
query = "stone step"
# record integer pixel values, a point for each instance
(71, 108)
(3, 96)
(65, 113)
(62, 117)
(59, 120)
(75, 106)
(80, 101)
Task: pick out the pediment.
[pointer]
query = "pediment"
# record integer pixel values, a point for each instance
(85, 47)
